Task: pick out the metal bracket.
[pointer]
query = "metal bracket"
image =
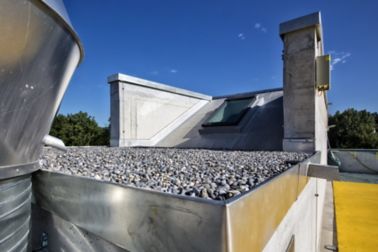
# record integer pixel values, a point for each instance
(328, 172)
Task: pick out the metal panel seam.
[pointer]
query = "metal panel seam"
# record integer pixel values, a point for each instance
(228, 230)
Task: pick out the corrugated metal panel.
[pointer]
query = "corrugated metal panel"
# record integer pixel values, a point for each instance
(15, 209)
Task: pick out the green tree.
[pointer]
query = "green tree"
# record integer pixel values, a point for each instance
(354, 129)
(375, 114)
(79, 129)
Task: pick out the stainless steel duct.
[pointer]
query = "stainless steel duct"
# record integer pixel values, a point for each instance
(39, 53)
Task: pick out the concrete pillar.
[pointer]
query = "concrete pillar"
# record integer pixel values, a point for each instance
(305, 108)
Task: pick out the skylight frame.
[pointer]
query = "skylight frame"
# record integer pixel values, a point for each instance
(238, 118)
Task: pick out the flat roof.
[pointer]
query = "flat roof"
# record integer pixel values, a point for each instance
(209, 174)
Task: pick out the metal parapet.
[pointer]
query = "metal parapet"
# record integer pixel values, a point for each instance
(137, 219)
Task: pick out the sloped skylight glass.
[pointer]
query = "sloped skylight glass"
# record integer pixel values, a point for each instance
(230, 112)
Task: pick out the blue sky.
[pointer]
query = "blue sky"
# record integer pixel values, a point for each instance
(216, 47)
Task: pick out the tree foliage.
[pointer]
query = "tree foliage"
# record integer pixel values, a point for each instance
(79, 129)
(354, 129)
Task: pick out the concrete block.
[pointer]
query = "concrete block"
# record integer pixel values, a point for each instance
(144, 112)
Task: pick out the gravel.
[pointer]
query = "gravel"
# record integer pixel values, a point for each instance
(210, 174)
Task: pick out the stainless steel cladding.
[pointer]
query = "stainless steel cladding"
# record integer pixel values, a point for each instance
(38, 57)
(143, 220)
(15, 196)
(58, 7)
(38, 54)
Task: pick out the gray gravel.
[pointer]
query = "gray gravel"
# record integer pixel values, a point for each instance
(209, 174)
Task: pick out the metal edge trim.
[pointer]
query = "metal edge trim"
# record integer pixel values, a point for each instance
(278, 176)
(247, 94)
(136, 81)
(164, 194)
(310, 20)
(354, 150)
(10, 171)
(66, 25)
(255, 197)
(195, 199)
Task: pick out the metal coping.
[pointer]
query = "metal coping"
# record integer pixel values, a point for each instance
(304, 162)
(313, 19)
(118, 77)
(56, 7)
(53, 193)
(183, 197)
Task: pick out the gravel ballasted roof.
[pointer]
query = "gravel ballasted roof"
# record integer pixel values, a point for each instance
(210, 174)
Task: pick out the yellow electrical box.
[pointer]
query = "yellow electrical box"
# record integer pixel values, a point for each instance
(323, 73)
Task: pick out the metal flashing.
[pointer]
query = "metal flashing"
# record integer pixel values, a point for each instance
(247, 94)
(118, 77)
(313, 19)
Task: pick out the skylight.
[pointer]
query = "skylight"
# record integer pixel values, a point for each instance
(229, 113)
